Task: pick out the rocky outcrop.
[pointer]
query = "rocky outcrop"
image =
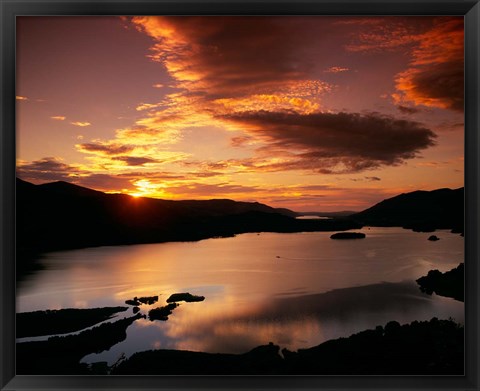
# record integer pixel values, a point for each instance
(449, 284)
(188, 297)
(162, 313)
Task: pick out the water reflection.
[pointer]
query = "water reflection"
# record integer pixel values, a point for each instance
(296, 290)
(292, 322)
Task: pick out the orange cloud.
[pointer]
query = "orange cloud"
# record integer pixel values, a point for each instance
(224, 55)
(81, 124)
(436, 74)
(58, 117)
(104, 148)
(382, 34)
(46, 169)
(136, 160)
(174, 185)
(18, 97)
(146, 106)
(268, 102)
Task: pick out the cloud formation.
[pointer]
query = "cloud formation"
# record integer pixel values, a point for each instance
(336, 70)
(335, 142)
(135, 160)
(105, 148)
(228, 56)
(381, 34)
(58, 117)
(408, 110)
(81, 124)
(436, 74)
(46, 169)
(229, 77)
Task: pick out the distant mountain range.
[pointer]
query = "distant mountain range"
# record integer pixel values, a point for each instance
(61, 215)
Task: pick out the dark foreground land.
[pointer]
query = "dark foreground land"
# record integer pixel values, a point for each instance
(426, 348)
(62, 355)
(432, 347)
(32, 324)
(449, 284)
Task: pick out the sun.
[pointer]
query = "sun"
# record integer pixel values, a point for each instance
(145, 188)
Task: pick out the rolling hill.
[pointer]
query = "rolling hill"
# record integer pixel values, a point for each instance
(62, 215)
(419, 210)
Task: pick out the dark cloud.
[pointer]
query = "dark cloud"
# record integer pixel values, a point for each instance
(407, 110)
(46, 169)
(336, 142)
(106, 149)
(440, 86)
(229, 56)
(105, 182)
(135, 160)
(367, 178)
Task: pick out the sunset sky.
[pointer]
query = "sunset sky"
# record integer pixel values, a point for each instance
(311, 113)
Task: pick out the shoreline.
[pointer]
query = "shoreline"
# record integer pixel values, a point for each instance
(419, 348)
(392, 343)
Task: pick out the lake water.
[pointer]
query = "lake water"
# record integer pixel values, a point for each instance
(295, 290)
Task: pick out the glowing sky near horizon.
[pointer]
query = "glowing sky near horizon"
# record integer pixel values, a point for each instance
(310, 113)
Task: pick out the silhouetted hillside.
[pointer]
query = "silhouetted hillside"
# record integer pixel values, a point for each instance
(68, 189)
(449, 284)
(419, 348)
(60, 215)
(420, 210)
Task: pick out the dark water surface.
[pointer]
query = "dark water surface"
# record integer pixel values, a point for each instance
(295, 290)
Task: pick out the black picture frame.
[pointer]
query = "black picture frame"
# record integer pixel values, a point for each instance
(10, 9)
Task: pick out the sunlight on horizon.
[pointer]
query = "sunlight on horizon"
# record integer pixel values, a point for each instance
(301, 119)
